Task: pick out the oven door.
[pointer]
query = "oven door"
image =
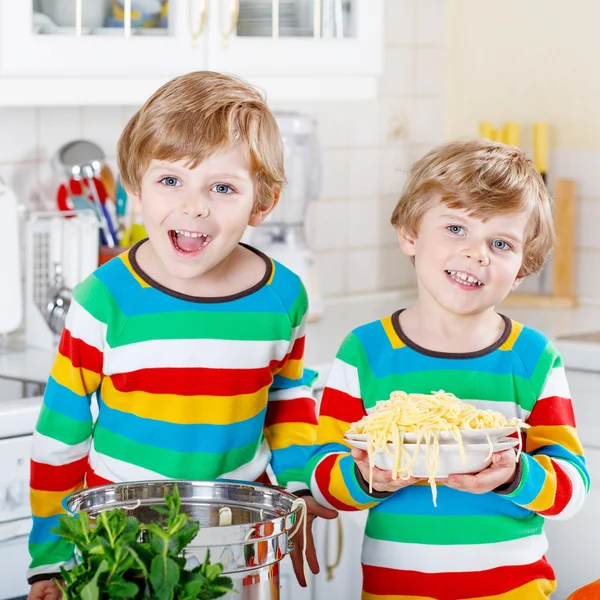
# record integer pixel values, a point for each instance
(14, 558)
(15, 515)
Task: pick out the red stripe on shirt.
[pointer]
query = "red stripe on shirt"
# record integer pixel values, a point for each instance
(300, 410)
(564, 492)
(80, 354)
(449, 586)
(92, 479)
(193, 381)
(323, 476)
(297, 351)
(341, 406)
(553, 410)
(51, 478)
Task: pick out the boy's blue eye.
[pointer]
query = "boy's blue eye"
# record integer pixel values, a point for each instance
(170, 181)
(455, 229)
(222, 188)
(500, 245)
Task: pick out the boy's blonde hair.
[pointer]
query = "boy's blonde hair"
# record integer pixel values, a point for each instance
(486, 179)
(196, 115)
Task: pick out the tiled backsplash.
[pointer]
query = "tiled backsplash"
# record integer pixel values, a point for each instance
(367, 149)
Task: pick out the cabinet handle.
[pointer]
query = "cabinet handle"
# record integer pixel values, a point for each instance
(78, 18)
(275, 19)
(201, 22)
(317, 18)
(127, 18)
(233, 23)
(340, 542)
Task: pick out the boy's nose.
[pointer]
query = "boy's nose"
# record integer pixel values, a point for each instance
(477, 253)
(195, 209)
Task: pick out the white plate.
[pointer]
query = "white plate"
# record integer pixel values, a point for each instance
(449, 459)
(468, 435)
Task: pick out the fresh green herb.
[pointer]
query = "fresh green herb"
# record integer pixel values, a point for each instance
(123, 558)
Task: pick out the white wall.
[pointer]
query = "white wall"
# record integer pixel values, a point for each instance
(534, 61)
(368, 145)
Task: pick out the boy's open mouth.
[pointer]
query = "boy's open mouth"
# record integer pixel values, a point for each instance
(464, 279)
(189, 242)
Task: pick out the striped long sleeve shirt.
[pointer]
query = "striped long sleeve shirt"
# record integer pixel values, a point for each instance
(186, 388)
(470, 546)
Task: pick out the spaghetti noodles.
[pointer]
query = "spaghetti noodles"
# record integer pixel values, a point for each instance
(426, 416)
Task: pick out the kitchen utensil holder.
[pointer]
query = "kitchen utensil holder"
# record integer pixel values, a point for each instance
(53, 238)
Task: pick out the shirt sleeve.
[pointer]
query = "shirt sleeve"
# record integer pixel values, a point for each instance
(291, 421)
(552, 479)
(334, 480)
(62, 438)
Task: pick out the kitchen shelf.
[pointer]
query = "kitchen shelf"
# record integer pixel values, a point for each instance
(134, 92)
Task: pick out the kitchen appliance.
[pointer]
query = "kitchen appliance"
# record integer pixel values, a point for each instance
(282, 235)
(17, 422)
(250, 542)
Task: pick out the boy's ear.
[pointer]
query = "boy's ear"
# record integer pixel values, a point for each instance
(406, 241)
(262, 212)
(135, 199)
(517, 283)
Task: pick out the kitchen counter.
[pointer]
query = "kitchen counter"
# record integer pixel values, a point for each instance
(323, 337)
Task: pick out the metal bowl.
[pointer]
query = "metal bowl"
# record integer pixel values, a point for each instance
(261, 516)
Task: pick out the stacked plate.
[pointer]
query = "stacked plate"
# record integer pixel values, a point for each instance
(477, 450)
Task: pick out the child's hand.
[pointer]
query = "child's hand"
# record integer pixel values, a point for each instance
(44, 590)
(501, 471)
(313, 510)
(382, 480)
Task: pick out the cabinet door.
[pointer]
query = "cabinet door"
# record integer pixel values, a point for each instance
(290, 38)
(339, 546)
(290, 588)
(96, 38)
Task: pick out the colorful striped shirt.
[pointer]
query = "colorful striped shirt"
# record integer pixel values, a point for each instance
(470, 546)
(186, 388)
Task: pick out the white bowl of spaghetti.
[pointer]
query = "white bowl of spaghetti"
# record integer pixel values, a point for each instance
(423, 435)
(451, 459)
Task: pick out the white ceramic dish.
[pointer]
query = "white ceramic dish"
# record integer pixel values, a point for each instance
(447, 437)
(449, 461)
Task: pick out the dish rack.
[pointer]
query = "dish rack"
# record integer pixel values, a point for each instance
(56, 243)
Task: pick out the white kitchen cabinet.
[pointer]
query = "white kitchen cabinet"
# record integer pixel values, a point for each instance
(339, 546)
(60, 52)
(341, 41)
(38, 47)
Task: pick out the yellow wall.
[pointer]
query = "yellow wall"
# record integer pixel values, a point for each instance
(524, 61)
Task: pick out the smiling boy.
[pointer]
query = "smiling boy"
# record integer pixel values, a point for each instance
(191, 343)
(476, 219)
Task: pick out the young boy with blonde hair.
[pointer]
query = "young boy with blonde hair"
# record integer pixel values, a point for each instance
(192, 343)
(476, 219)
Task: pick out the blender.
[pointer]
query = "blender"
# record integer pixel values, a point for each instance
(282, 236)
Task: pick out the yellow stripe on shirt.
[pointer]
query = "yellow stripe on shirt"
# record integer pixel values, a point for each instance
(47, 504)
(547, 435)
(338, 488)
(292, 369)
(279, 435)
(330, 429)
(539, 588)
(185, 410)
(545, 499)
(78, 380)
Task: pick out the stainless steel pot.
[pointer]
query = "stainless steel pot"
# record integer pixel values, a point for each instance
(250, 548)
